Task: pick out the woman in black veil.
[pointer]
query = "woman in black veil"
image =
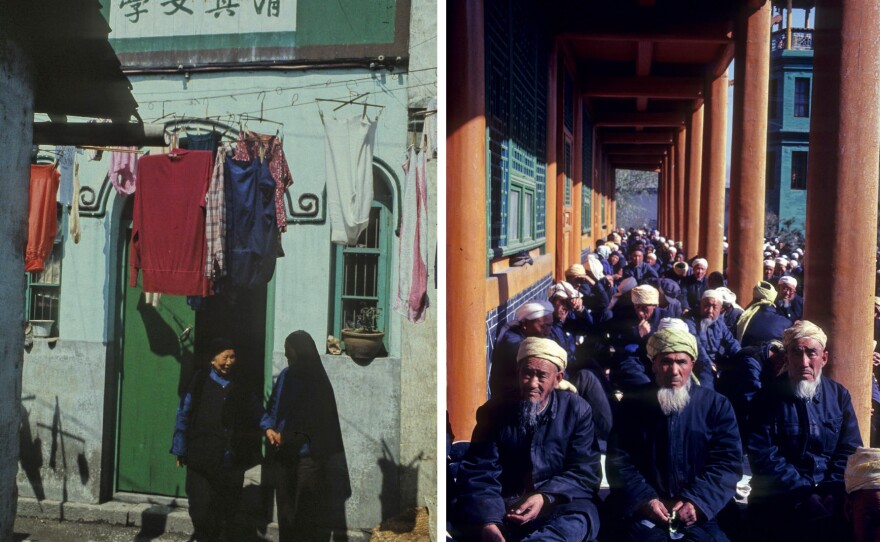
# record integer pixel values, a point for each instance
(302, 424)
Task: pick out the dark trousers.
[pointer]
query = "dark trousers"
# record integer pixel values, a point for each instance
(213, 501)
(298, 490)
(702, 531)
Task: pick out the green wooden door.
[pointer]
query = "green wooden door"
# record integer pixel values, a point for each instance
(157, 354)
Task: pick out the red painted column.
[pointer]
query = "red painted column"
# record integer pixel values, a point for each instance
(694, 171)
(714, 162)
(749, 151)
(680, 161)
(842, 190)
(466, 239)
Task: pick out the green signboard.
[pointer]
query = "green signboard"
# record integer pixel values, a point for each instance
(192, 33)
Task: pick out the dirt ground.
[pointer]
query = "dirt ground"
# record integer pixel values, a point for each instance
(407, 527)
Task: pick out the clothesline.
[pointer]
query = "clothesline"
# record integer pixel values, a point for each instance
(111, 149)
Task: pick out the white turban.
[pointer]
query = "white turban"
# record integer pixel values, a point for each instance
(769, 263)
(727, 296)
(701, 261)
(680, 268)
(645, 295)
(862, 470)
(564, 290)
(576, 270)
(594, 267)
(672, 323)
(604, 251)
(791, 281)
(804, 329)
(533, 311)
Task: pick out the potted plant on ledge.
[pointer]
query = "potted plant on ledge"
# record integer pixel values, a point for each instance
(363, 340)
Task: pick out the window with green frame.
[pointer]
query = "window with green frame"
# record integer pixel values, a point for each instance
(43, 290)
(362, 271)
(587, 172)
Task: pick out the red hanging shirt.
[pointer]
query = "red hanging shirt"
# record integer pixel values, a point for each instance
(168, 241)
(42, 216)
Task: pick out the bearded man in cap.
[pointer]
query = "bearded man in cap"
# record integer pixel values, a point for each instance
(534, 319)
(532, 470)
(803, 429)
(711, 332)
(674, 455)
(788, 302)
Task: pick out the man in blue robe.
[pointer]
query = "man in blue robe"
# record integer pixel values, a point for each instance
(803, 429)
(532, 470)
(674, 454)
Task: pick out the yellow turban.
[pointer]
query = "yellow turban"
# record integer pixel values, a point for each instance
(645, 295)
(764, 291)
(576, 270)
(804, 329)
(548, 350)
(862, 470)
(671, 340)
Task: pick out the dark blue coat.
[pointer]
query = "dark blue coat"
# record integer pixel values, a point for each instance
(766, 325)
(695, 454)
(630, 367)
(795, 311)
(596, 298)
(717, 342)
(799, 447)
(561, 460)
(641, 272)
(693, 291)
(502, 373)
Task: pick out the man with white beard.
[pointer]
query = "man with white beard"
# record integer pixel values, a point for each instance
(532, 471)
(712, 333)
(674, 455)
(803, 429)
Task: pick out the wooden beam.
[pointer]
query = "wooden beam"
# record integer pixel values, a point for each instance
(647, 120)
(641, 138)
(661, 88)
(705, 33)
(637, 157)
(127, 134)
(635, 149)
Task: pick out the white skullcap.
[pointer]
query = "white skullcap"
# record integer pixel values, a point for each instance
(713, 294)
(533, 311)
(672, 323)
(799, 251)
(701, 261)
(791, 281)
(769, 263)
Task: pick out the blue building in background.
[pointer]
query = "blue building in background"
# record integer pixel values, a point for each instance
(788, 137)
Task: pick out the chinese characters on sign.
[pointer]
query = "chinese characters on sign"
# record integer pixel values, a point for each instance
(135, 8)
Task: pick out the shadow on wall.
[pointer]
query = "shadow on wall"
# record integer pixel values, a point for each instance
(393, 474)
(31, 451)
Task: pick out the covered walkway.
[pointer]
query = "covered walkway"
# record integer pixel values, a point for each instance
(546, 102)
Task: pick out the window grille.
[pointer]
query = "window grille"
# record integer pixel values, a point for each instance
(587, 169)
(44, 287)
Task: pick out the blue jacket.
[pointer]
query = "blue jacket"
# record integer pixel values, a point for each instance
(799, 447)
(717, 341)
(561, 461)
(795, 311)
(692, 290)
(641, 272)
(502, 373)
(695, 454)
(766, 325)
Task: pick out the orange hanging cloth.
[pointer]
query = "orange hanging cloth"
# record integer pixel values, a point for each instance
(42, 216)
